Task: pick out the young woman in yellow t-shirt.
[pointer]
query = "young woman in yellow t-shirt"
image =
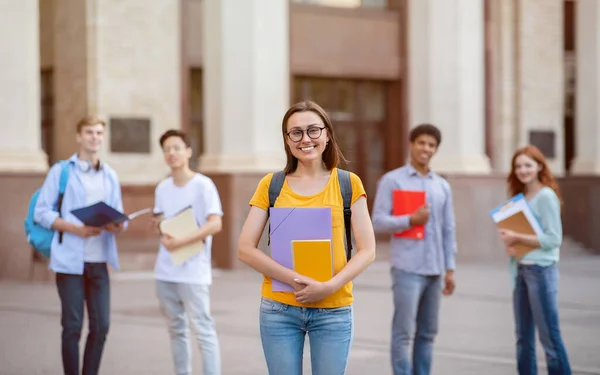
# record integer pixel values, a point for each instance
(321, 309)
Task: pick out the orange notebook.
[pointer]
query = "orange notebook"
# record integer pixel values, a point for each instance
(406, 202)
(313, 258)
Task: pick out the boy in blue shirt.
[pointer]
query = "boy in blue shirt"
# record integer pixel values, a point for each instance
(79, 253)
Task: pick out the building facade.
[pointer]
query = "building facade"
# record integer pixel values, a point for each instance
(492, 74)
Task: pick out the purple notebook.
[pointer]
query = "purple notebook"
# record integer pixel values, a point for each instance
(288, 224)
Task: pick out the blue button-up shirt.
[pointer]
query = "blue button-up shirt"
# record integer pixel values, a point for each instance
(436, 253)
(67, 257)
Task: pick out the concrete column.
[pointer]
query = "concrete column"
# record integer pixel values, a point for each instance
(446, 83)
(587, 132)
(20, 144)
(246, 84)
(540, 73)
(505, 130)
(119, 60)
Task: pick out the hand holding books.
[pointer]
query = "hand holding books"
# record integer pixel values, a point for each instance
(413, 203)
(175, 230)
(514, 218)
(313, 290)
(301, 240)
(420, 216)
(510, 239)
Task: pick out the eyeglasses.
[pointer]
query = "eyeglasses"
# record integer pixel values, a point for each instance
(166, 150)
(313, 132)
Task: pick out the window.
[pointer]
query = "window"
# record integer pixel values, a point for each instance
(47, 112)
(357, 110)
(196, 129)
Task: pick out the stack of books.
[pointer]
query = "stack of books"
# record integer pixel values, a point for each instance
(301, 240)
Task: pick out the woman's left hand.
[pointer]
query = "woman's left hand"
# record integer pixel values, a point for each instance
(313, 291)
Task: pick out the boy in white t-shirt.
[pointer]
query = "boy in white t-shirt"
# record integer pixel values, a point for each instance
(183, 290)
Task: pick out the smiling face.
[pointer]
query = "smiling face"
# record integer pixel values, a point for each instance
(89, 138)
(177, 154)
(526, 169)
(306, 136)
(422, 149)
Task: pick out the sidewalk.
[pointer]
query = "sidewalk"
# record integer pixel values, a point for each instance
(476, 331)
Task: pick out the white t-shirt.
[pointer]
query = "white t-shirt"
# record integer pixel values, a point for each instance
(201, 193)
(93, 182)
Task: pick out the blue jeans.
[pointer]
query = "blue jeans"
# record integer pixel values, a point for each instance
(283, 329)
(416, 307)
(535, 304)
(180, 302)
(93, 287)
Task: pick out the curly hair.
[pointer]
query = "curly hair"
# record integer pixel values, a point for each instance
(544, 175)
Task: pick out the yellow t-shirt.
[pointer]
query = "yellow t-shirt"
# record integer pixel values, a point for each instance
(330, 196)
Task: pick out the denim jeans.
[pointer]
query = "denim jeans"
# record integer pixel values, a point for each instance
(535, 304)
(181, 302)
(416, 307)
(93, 287)
(283, 329)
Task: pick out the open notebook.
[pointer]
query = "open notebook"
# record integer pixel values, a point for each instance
(179, 226)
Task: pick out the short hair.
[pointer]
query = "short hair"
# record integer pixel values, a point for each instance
(89, 120)
(425, 129)
(175, 133)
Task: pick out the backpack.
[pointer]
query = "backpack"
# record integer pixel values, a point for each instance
(38, 237)
(346, 190)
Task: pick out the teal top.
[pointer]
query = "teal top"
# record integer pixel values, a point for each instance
(546, 207)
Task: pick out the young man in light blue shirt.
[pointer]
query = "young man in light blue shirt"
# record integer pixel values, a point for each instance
(422, 269)
(79, 253)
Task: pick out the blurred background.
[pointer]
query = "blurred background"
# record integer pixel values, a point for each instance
(493, 75)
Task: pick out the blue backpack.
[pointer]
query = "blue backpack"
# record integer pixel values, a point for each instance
(40, 238)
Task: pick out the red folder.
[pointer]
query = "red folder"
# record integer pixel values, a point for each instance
(406, 202)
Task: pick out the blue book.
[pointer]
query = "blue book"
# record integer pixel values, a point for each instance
(293, 224)
(100, 214)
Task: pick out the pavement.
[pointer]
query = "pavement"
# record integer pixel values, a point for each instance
(476, 329)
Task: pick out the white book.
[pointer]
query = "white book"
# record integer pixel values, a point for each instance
(179, 226)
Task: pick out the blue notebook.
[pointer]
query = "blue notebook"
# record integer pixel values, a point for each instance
(100, 214)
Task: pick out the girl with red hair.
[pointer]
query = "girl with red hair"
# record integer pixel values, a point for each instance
(536, 284)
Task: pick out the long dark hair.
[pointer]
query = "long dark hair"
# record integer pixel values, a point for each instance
(332, 154)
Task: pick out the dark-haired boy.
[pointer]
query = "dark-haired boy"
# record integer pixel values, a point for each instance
(422, 269)
(183, 290)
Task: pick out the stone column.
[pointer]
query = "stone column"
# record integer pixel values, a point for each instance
(246, 93)
(446, 82)
(20, 144)
(120, 60)
(587, 132)
(540, 82)
(246, 84)
(505, 130)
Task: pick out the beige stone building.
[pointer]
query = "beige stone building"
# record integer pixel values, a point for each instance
(492, 74)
